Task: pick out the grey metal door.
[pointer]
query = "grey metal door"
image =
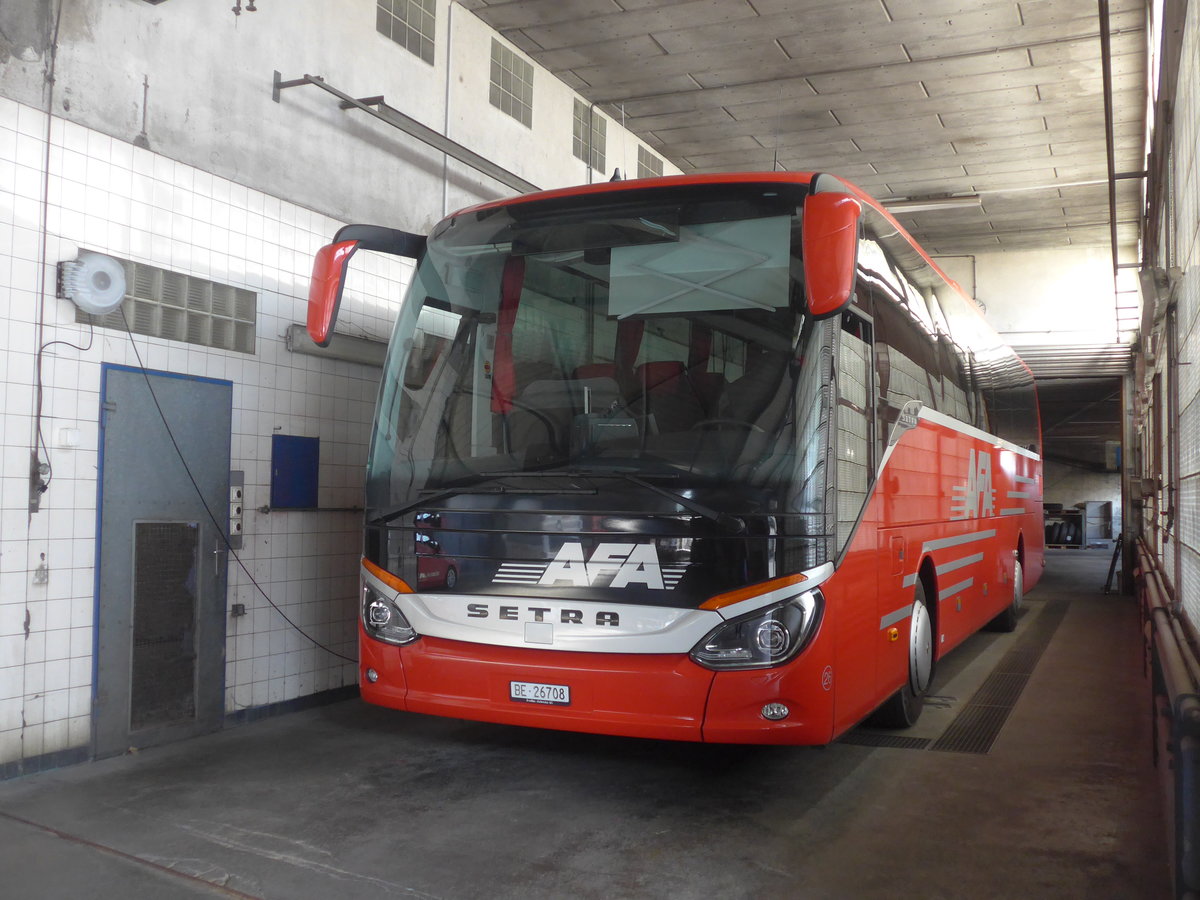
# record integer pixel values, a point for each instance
(160, 622)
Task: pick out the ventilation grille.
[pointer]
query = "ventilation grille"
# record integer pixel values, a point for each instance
(976, 728)
(163, 666)
(178, 307)
(875, 739)
(978, 724)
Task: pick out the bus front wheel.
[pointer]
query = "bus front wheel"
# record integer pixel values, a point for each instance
(903, 708)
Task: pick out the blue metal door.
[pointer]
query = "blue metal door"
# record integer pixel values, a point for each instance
(160, 606)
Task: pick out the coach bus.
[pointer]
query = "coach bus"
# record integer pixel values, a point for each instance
(713, 458)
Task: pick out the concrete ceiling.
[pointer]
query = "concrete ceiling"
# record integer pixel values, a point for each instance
(906, 98)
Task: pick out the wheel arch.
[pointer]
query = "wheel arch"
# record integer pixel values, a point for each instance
(927, 573)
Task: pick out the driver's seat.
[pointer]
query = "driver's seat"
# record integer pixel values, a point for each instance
(667, 394)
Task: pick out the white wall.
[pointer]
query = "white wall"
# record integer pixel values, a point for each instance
(1069, 486)
(1044, 297)
(240, 190)
(126, 204)
(200, 79)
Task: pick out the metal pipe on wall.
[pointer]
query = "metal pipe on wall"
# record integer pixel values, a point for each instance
(446, 108)
(1109, 146)
(1174, 667)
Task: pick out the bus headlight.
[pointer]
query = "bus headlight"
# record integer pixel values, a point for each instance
(383, 620)
(763, 638)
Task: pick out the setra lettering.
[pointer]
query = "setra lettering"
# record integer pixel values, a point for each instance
(604, 618)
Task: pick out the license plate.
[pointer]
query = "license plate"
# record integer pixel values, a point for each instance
(532, 692)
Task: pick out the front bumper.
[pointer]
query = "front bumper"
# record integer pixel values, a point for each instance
(665, 696)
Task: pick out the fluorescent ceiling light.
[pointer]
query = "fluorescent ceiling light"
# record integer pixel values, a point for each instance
(341, 346)
(919, 204)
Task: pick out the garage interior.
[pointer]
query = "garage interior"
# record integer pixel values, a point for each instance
(1042, 152)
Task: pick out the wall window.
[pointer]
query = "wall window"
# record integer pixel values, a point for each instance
(649, 165)
(512, 84)
(409, 23)
(588, 135)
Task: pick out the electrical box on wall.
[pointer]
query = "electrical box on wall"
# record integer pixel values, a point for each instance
(295, 462)
(1112, 456)
(237, 496)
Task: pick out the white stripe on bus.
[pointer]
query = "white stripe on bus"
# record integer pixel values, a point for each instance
(893, 617)
(943, 543)
(959, 563)
(954, 589)
(939, 418)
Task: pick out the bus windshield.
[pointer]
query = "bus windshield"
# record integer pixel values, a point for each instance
(654, 336)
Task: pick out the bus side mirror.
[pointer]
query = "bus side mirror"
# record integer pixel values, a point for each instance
(830, 248)
(329, 270)
(325, 289)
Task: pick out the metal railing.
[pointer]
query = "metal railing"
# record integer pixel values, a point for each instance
(1175, 678)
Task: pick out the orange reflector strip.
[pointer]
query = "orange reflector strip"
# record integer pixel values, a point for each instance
(755, 590)
(387, 577)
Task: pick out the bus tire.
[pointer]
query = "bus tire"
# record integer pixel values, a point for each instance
(903, 708)
(1007, 620)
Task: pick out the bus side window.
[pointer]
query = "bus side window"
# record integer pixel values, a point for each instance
(1010, 398)
(908, 365)
(427, 350)
(855, 402)
(955, 390)
(983, 419)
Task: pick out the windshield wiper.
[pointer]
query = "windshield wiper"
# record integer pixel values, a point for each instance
(432, 495)
(727, 521)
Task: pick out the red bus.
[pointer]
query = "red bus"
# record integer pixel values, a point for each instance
(716, 458)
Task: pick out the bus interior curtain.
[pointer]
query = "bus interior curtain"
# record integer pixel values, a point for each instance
(625, 354)
(504, 379)
(701, 347)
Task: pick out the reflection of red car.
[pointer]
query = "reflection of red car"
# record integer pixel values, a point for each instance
(433, 569)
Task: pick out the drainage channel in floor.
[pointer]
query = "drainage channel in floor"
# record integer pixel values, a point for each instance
(976, 728)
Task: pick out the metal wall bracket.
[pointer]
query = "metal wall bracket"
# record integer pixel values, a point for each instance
(375, 106)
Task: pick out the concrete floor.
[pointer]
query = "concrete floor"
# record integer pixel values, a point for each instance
(350, 801)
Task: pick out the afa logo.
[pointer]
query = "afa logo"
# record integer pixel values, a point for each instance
(610, 565)
(977, 497)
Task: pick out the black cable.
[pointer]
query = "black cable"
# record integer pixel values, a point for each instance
(48, 82)
(216, 523)
(37, 418)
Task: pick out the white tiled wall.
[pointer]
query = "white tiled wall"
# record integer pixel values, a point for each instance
(1187, 256)
(81, 188)
(116, 198)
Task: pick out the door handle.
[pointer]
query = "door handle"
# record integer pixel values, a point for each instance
(218, 549)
